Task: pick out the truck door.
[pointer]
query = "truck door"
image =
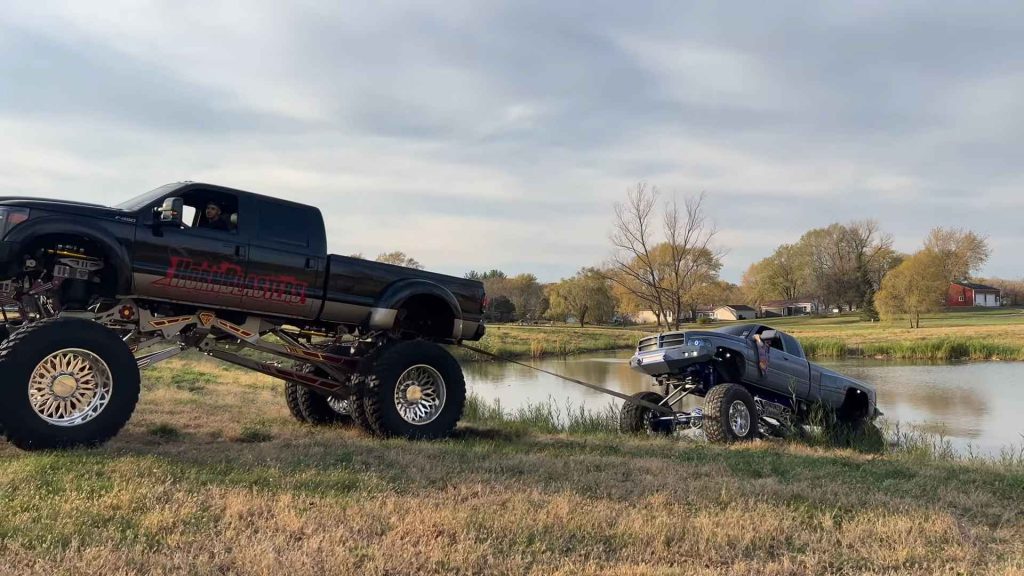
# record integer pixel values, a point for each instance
(792, 367)
(202, 262)
(287, 260)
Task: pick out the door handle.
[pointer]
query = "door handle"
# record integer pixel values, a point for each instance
(311, 263)
(241, 251)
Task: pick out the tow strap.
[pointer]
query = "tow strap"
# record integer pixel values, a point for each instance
(650, 405)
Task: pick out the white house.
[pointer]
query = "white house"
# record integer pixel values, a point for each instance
(734, 312)
(797, 307)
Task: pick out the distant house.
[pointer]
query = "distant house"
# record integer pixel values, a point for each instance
(705, 312)
(797, 307)
(649, 317)
(734, 312)
(963, 294)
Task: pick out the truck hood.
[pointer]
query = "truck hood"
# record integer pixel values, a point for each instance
(68, 206)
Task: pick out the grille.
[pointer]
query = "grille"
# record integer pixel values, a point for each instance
(666, 340)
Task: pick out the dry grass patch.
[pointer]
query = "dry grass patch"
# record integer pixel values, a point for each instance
(496, 499)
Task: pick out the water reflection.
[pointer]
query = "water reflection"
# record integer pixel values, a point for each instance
(977, 403)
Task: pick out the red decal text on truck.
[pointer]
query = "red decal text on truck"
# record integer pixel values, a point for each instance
(229, 278)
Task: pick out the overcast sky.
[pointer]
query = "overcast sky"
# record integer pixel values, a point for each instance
(477, 134)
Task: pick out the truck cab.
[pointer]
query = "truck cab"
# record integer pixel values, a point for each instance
(268, 257)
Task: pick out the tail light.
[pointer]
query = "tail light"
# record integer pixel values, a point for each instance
(10, 217)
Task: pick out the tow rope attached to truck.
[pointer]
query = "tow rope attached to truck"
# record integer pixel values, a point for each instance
(650, 405)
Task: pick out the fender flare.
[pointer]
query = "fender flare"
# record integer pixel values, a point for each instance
(740, 362)
(391, 300)
(113, 251)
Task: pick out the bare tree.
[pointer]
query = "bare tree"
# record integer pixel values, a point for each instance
(692, 261)
(962, 252)
(871, 249)
(847, 262)
(632, 264)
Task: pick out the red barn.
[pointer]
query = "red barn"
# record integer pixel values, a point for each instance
(970, 294)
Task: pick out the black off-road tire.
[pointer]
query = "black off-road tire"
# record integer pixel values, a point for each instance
(381, 377)
(636, 419)
(309, 406)
(357, 403)
(717, 404)
(28, 347)
(291, 399)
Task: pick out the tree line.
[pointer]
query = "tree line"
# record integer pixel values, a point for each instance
(664, 260)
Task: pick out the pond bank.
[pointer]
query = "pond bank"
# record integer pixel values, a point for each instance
(539, 342)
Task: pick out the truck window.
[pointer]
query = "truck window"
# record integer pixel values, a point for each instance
(792, 346)
(210, 210)
(285, 223)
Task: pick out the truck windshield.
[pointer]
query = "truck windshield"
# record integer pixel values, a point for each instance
(741, 330)
(142, 200)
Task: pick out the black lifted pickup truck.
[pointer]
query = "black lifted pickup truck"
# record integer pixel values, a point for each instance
(86, 290)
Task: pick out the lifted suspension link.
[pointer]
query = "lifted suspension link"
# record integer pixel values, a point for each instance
(309, 380)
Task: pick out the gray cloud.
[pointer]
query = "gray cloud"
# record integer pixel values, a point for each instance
(499, 134)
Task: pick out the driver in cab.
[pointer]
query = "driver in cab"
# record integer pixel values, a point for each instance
(215, 219)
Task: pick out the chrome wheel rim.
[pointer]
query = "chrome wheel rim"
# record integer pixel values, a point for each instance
(420, 394)
(340, 405)
(70, 387)
(739, 418)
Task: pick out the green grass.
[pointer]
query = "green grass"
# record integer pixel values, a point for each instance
(544, 417)
(981, 334)
(256, 432)
(164, 431)
(535, 341)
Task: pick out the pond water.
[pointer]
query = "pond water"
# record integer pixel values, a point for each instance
(976, 406)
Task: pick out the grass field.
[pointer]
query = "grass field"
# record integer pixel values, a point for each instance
(537, 341)
(213, 477)
(996, 334)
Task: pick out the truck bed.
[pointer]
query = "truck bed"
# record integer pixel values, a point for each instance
(356, 287)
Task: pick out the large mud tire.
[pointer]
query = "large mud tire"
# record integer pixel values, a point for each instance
(291, 399)
(637, 419)
(729, 414)
(79, 358)
(311, 407)
(403, 372)
(357, 404)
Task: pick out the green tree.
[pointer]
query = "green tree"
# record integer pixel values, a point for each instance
(915, 287)
(499, 309)
(527, 295)
(585, 296)
(485, 276)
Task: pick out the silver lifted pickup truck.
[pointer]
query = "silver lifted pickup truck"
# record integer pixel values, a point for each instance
(754, 379)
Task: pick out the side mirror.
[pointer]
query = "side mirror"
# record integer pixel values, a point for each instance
(769, 335)
(171, 211)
